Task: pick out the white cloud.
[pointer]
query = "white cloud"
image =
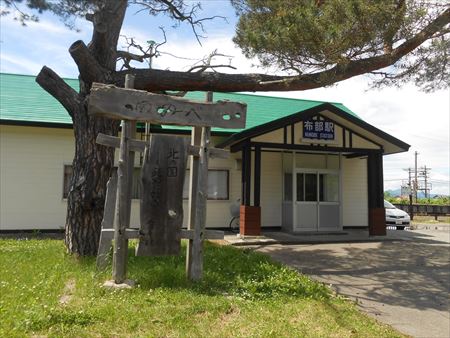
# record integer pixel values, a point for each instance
(17, 64)
(27, 49)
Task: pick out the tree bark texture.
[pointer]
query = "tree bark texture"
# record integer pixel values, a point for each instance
(92, 167)
(92, 164)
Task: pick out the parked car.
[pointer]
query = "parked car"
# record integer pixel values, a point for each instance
(395, 216)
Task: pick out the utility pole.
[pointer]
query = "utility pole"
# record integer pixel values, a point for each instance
(425, 185)
(410, 192)
(420, 182)
(416, 183)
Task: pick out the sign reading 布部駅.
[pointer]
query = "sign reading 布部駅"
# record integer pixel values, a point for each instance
(318, 129)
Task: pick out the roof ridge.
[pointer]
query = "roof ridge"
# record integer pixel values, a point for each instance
(282, 98)
(34, 76)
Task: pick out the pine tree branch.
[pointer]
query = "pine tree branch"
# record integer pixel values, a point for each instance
(89, 68)
(178, 10)
(59, 89)
(160, 80)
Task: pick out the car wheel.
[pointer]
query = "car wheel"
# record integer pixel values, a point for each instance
(400, 227)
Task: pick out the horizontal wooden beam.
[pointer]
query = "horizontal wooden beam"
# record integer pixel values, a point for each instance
(213, 152)
(350, 156)
(268, 145)
(139, 146)
(209, 234)
(114, 141)
(137, 105)
(186, 234)
(315, 148)
(108, 234)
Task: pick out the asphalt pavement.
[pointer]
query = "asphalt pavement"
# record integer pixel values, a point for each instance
(403, 280)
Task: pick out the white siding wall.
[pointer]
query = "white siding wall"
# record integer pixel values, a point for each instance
(354, 192)
(359, 142)
(271, 189)
(31, 176)
(275, 136)
(31, 173)
(31, 180)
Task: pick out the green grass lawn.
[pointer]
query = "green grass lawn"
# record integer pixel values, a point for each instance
(44, 292)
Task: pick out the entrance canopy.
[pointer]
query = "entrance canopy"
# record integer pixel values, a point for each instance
(322, 129)
(350, 135)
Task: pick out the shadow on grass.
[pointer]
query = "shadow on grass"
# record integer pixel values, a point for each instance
(228, 271)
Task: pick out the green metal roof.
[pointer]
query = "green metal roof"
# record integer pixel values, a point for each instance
(23, 100)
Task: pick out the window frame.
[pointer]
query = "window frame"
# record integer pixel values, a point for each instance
(227, 198)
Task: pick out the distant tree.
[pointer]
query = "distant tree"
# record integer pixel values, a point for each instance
(318, 42)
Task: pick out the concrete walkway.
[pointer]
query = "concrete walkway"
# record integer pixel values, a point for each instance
(279, 237)
(402, 279)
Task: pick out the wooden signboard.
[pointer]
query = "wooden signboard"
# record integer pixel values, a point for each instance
(162, 174)
(162, 178)
(138, 105)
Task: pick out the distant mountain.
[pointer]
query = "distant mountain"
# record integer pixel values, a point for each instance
(397, 193)
(394, 193)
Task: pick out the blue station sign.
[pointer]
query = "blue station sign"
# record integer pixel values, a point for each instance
(318, 129)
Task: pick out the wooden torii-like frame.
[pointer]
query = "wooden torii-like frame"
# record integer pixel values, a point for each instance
(131, 106)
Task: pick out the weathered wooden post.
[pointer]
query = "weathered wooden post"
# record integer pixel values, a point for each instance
(104, 245)
(198, 194)
(123, 199)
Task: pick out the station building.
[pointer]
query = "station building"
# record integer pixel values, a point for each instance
(299, 165)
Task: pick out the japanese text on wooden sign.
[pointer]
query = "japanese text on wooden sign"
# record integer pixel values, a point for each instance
(162, 178)
(138, 105)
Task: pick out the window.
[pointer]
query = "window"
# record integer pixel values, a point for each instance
(136, 185)
(218, 182)
(306, 187)
(329, 187)
(311, 187)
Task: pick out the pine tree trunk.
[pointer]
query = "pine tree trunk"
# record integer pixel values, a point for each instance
(93, 164)
(92, 167)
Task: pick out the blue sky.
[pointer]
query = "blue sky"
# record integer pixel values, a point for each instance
(417, 118)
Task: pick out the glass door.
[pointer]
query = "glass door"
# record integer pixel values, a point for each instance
(317, 206)
(306, 201)
(328, 202)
